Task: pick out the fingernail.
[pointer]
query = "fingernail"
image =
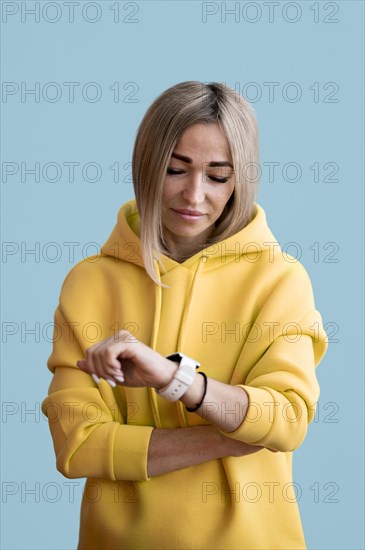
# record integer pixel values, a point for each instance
(111, 382)
(95, 378)
(119, 378)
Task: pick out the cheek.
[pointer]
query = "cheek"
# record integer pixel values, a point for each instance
(225, 195)
(168, 192)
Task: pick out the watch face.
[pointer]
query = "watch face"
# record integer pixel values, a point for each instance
(179, 356)
(175, 357)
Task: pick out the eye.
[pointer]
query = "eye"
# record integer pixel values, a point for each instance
(219, 180)
(173, 171)
(176, 172)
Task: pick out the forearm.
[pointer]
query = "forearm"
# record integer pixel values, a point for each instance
(224, 406)
(174, 449)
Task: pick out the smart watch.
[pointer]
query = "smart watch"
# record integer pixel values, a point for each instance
(182, 379)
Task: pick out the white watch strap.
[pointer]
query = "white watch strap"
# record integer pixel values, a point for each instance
(182, 380)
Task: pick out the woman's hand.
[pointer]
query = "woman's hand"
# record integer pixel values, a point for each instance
(124, 359)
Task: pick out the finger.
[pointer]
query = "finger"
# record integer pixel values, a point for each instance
(104, 371)
(92, 360)
(115, 374)
(120, 377)
(106, 362)
(97, 363)
(111, 358)
(102, 360)
(100, 366)
(109, 380)
(95, 378)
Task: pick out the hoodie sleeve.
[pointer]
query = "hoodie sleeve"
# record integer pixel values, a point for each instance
(87, 425)
(281, 383)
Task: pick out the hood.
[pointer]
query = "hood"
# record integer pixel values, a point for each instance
(124, 243)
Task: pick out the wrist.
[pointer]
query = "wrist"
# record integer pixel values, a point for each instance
(194, 393)
(182, 379)
(167, 373)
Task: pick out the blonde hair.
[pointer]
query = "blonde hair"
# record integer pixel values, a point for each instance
(172, 112)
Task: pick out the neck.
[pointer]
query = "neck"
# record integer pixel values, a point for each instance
(181, 248)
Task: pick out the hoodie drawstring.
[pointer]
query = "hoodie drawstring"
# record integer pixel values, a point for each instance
(183, 329)
(156, 324)
(181, 339)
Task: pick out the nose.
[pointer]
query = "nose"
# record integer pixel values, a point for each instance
(194, 190)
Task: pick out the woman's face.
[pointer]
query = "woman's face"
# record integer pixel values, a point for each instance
(199, 181)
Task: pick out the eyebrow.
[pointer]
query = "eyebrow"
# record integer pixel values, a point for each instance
(213, 164)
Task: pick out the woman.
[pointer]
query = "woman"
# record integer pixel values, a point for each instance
(184, 354)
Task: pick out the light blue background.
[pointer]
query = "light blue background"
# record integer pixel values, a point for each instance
(170, 43)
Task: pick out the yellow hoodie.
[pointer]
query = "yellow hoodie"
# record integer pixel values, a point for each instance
(246, 312)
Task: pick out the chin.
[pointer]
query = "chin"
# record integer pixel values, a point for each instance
(188, 234)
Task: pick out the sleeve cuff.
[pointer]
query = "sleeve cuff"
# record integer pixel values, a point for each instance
(130, 452)
(259, 417)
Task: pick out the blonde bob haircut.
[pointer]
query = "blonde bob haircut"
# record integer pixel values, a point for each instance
(172, 112)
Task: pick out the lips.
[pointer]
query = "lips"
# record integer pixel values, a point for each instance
(189, 215)
(190, 212)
